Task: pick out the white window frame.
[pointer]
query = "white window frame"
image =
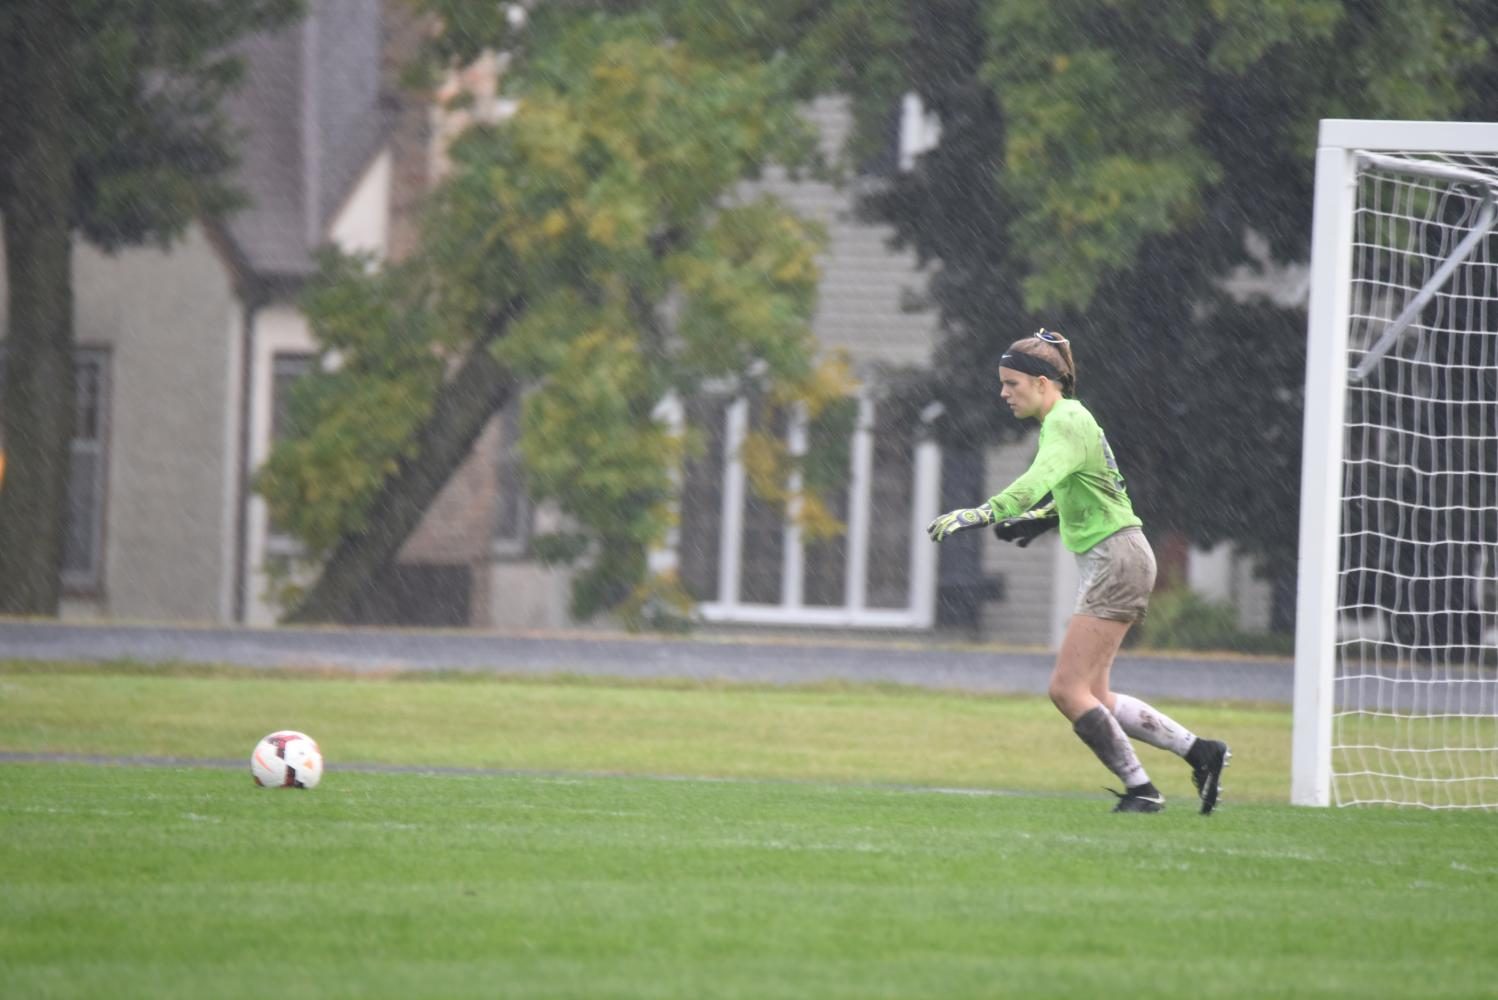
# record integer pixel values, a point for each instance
(89, 581)
(919, 613)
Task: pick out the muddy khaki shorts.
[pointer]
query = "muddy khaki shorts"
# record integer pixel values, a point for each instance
(1117, 576)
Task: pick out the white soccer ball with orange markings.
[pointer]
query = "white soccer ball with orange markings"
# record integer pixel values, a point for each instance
(287, 759)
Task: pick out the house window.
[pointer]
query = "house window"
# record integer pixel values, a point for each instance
(83, 516)
(83, 531)
(287, 369)
(762, 555)
(891, 502)
(701, 518)
(825, 580)
(745, 563)
(512, 524)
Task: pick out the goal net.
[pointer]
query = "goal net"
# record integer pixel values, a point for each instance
(1397, 636)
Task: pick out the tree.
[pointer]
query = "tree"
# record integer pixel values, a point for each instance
(1104, 166)
(109, 128)
(598, 248)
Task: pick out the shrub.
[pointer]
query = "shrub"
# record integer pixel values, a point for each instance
(1180, 618)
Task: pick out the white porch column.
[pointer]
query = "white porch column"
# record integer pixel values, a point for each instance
(857, 568)
(666, 557)
(926, 494)
(731, 544)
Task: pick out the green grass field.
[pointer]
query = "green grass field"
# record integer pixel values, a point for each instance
(871, 843)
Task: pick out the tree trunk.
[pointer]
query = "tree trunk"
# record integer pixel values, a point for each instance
(464, 404)
(36, 402)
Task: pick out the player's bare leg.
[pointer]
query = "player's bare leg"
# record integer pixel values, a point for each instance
(1079, 689)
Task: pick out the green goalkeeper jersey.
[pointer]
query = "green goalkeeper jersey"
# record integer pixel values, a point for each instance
(1075, 465)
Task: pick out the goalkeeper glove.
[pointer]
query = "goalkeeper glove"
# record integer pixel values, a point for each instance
(954, 521)
(1025, 528)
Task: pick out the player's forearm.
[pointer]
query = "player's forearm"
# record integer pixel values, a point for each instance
(1059, 457)
(1022, 494)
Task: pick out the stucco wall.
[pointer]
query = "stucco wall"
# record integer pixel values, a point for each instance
(170, 320)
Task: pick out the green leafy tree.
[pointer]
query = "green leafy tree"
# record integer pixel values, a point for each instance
(596, 248)
(109, 129)
(1104, 165)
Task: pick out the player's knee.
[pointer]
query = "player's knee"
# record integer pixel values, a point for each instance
(1065, 696)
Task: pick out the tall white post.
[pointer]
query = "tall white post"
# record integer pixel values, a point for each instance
(926, 495)
(1321, 474)
(666, 557)
(857, 566)
(731, 543)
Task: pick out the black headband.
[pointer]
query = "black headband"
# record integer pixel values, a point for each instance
(1030, 364)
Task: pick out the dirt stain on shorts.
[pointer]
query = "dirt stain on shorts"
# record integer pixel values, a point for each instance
(1117, 577)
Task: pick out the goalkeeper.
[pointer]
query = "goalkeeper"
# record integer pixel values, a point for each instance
(1090, 504)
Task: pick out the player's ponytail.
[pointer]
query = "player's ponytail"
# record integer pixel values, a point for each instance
(1054, 351)
(1068, 369)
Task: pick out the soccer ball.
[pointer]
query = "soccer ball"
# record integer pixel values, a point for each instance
(287, 759)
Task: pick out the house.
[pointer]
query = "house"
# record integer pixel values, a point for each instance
(744, 565)
(186, 356)
(179, 350)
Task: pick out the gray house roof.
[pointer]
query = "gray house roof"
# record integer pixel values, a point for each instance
(311, 119)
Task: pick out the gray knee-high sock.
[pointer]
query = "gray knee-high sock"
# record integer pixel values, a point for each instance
(1104, 737)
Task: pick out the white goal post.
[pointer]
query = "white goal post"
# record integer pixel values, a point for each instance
(1396, 649)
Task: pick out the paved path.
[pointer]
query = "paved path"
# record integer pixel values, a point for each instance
(757, 659)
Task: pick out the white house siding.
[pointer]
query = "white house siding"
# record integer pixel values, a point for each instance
(1221, 574)
(861, 302)
(169, 320)
(363, 223)
(528, 595)
(1253, 597)
(1023, 615)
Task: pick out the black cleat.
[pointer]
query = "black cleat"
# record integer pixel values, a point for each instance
(1139, 799)
(1207, 759)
